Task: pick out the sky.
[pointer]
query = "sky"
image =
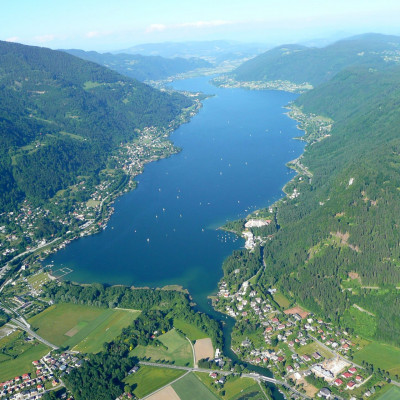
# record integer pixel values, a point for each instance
(106, 25)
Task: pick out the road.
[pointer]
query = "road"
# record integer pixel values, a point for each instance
(253, 375)
(32, 333)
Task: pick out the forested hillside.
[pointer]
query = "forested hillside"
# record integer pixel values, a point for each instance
(339, 242)
(61, 117)
(141, 67)
(301, 64)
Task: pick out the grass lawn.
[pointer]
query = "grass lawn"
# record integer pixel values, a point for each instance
(106, 330)
(18, 355)
(381, 355)
(68, 324)
(235, 387)
(281, 300)
(192, 332)
(191, 388)
(149, 379)
(312, 348)
(392, 394)
(178, 350)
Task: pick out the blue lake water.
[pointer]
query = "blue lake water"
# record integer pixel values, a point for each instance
(165, 232)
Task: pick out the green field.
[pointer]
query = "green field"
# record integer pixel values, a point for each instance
(281, 300)
(392, 394)
(17, 355)
(313, 347)
(234, 388)
(149, 379)
(178, 350)
(67, 324)
(191, 388)
(106, 331)
(381, 355)
(192, 332)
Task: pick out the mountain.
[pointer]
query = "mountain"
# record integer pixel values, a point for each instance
(143, 68)
(213, 51)
(301, 64)
(61, 117)
(338, 242)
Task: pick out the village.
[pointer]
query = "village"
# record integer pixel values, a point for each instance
(303, 350)
(227, 81)
(47, 376)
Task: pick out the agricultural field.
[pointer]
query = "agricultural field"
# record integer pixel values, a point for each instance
(235, 388)
(191, 388)
(67, 324)
(16, 355)
(191, 331)
(149, 379)
(381, 355)
(203, 348)
(393, 393)
(312, 348)
(178, 350)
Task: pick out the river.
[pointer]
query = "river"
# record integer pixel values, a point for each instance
(164, 232)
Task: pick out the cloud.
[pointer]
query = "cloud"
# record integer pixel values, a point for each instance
(44, 38)
(13, 39)
(156, 28)
(197, 24)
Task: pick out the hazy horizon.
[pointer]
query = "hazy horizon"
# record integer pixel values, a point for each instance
(104, 26)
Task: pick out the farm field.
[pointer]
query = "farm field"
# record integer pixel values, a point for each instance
(178, 350)
(312, 348)
(392, 394)
(192, 332)
(381, 355)
(203, 348)
(67, 324)
(234, 388)
(149, 379)
(191, 388)
(25, 352)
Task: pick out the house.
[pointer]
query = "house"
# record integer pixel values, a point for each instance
(222, 380)
(133, 370)
(352, 370)
(338, 382)
(213, 375)
(359, 378)
(289, 368)
(325, 393)
(347, 375)
(351, 385)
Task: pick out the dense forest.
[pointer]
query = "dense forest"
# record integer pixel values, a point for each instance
(143, 68)
(314, 65)
(61, 117)
(339, 241)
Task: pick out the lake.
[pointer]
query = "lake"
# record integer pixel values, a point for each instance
(165, 232)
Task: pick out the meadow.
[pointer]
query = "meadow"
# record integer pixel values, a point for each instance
(17, 355)
(149, 379)
(178, 350)
(191, 331)
(383, 356)
(191, 388)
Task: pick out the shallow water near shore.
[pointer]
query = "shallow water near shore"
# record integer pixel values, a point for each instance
(165, 232)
